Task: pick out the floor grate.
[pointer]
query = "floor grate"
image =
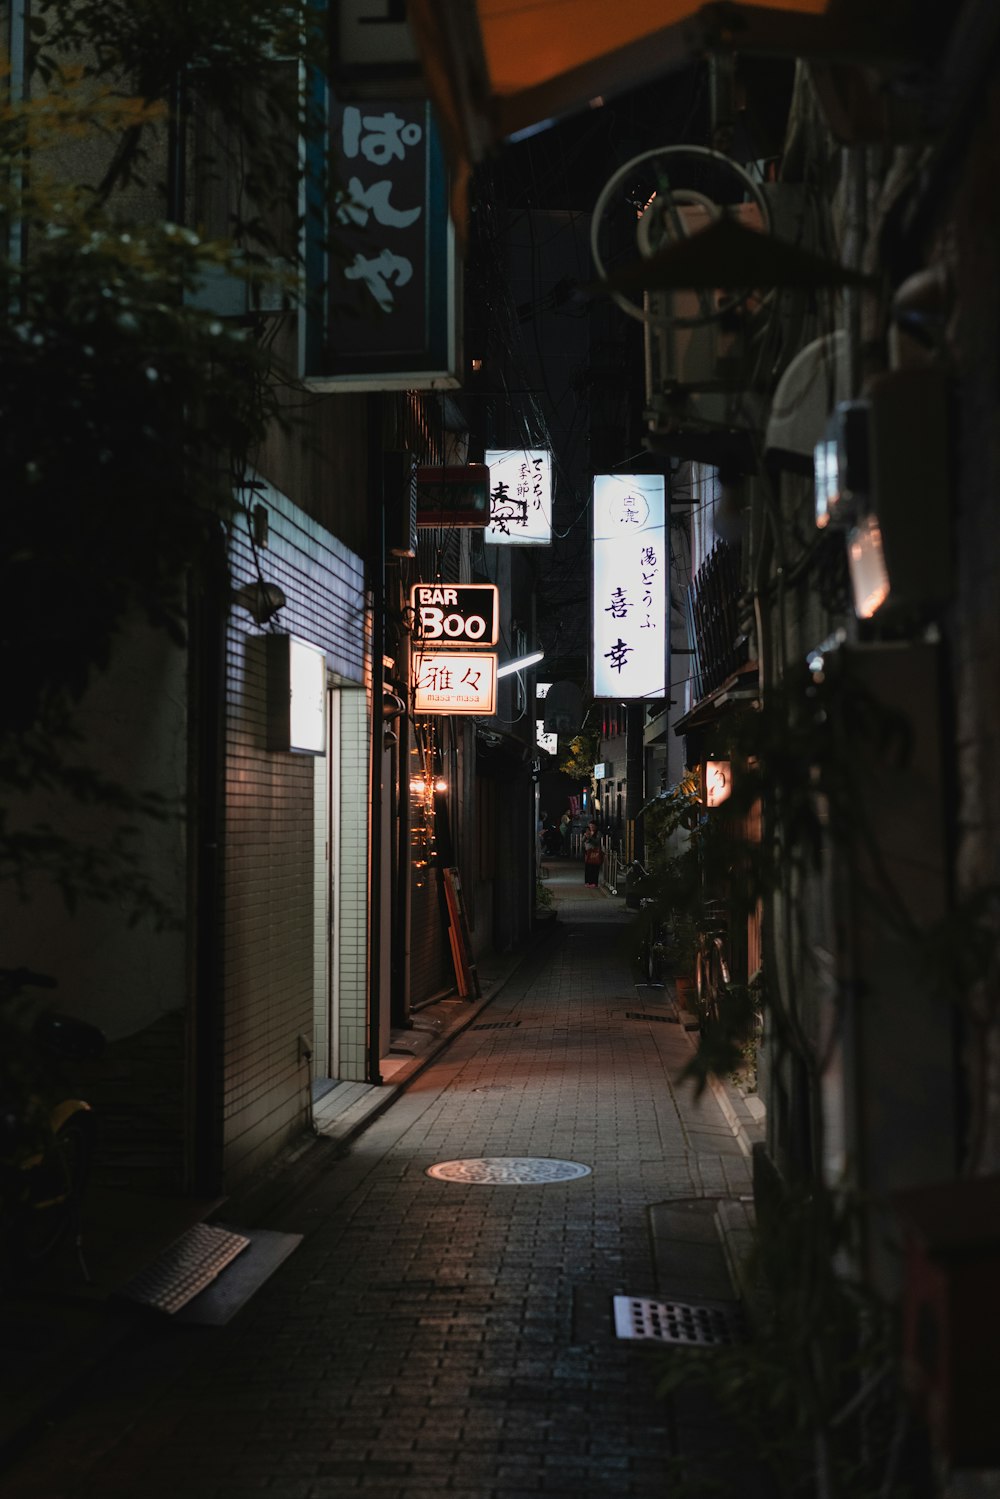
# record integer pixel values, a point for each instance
(678, 1322)
(496, 1025)
(641, 1015)
(185, 1267)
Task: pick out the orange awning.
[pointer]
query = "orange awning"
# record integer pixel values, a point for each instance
(495, 68)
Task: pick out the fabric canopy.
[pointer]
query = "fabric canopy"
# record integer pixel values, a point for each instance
(496, 68)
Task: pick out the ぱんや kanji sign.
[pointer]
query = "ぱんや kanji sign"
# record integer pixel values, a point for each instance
(460, 614)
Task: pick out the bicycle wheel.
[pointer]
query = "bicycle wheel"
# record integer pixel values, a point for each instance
(711, 979)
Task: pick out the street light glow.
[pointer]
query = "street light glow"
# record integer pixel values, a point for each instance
(520, 663)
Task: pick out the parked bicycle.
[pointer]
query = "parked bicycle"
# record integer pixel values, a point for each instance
(711, 968)
(47, 1137)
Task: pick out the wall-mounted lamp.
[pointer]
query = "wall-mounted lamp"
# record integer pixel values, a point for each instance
(440, 784)
(841, 465)
(261, 600)
(866, 561)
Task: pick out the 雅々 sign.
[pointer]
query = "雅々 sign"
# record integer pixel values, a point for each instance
(462, 614)
(451, 682)
(630, 570)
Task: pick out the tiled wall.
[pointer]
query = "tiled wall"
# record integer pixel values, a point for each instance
(270, 905)
(352, 957)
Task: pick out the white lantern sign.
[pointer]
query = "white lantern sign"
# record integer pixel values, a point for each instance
(520, 497)
(630, 576)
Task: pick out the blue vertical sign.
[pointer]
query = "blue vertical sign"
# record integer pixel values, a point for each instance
(380, 310)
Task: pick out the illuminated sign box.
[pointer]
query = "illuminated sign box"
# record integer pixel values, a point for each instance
(630, 565)
(546, 741)
(458, 496)
(296, 695)
(520, 497)
(454, 682)
(382, 279)
(460, 614)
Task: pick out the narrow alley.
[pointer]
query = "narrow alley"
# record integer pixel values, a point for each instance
(449, 1335)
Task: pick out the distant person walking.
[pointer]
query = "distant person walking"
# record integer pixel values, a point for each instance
(593, 855)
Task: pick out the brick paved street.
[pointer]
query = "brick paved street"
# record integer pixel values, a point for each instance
(439, 1336)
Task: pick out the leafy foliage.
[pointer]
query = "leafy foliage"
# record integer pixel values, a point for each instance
(580, 757)
(812, 1392)
(126, 411)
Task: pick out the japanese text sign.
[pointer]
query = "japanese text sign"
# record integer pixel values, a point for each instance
(629, 594)
(450, 682)
(520, 497)
(462, 614)
(381, 306)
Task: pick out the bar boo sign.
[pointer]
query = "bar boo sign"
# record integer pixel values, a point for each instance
(460, 614)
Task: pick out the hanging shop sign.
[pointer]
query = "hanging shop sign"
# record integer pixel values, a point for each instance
(381, 304)
(296, 695)
(630, 565)
(461, 615)
(520, 497)
(545, 741)
(457, 496)
(453, 682)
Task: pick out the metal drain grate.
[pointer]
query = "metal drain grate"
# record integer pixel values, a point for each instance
(678, 1322)
(185, 1267)
(640, 1015)
(496, 1025)
(508, 1171)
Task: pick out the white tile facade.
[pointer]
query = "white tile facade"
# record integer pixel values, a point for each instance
(273, 958)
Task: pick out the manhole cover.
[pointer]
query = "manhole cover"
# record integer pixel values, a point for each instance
(678, 1322)
(508, 1171)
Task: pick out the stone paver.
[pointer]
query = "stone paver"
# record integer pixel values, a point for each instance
(447, 1337)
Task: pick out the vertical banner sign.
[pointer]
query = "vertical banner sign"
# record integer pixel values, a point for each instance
(630, 575)
(380, 310)
(520, 497)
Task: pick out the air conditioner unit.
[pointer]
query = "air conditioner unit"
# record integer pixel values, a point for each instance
(699, 350)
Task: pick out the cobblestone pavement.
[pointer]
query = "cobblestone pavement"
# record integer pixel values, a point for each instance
(446, 1336)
